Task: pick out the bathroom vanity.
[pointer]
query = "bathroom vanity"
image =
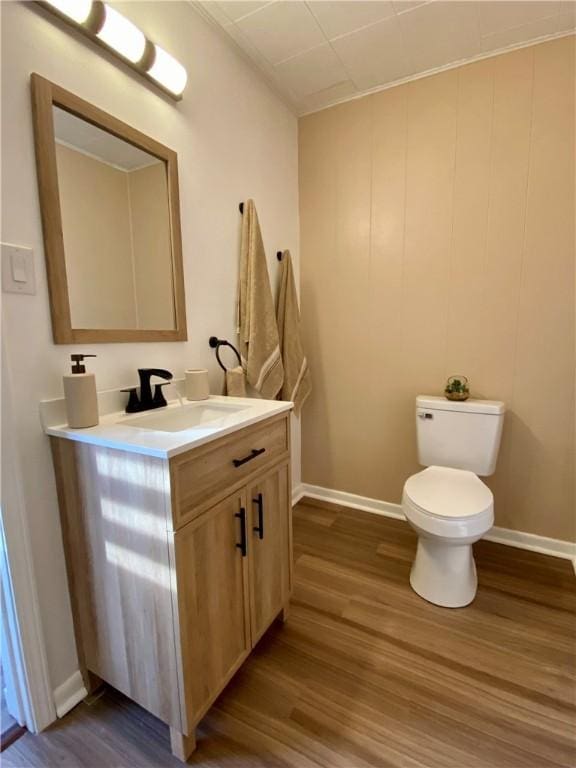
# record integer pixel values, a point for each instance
(178, 548)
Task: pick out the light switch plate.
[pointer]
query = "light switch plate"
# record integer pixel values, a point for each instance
(18, 269)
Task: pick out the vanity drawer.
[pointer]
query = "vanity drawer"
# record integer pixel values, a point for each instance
(205, 473)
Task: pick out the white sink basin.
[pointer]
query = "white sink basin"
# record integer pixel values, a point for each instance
(180, 418)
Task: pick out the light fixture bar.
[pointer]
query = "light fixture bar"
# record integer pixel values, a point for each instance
(75, 10)
(122, 35)
(167, 71)
(109, 28)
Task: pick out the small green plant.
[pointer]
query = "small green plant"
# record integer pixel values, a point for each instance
(457, 388)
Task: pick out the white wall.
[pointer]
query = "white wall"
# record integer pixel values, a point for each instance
(234, 140)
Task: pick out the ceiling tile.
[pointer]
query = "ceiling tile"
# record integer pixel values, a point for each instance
(328, 96)
(213, 10)
(236, 9)
(281, 30)
(439, 33)
(567, 17)
(406, 5)
(374, 55)
(522, 34)
(568, 6)
(312, 71)
(498, 16)
(343, 16)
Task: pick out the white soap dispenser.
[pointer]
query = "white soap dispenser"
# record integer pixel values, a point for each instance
(80, 395)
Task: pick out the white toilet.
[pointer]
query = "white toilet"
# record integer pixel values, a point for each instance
(447, 504)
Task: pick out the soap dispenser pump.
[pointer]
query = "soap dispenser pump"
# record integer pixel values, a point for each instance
(80, 395)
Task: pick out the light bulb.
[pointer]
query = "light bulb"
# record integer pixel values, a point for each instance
(77, 10)
(168, 72)
(121, 35)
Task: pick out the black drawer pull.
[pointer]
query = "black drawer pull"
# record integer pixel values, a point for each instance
(242, 516)
(259, 529)
(255, 452)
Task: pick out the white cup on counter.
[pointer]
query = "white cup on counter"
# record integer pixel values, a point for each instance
(197, 387)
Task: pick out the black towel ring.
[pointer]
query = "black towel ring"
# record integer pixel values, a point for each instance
(216, 343)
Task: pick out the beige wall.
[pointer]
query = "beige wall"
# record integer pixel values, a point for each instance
(97, 241)
(152, 247)
(437, 237)
(116, 227)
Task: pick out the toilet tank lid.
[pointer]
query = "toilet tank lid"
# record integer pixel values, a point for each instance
(434, 403)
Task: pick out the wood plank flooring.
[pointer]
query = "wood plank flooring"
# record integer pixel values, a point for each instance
(365, 673)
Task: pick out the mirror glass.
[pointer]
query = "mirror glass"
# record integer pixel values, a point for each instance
(116, 227)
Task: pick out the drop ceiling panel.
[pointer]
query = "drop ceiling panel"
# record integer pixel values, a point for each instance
(281, 30)
(567, 17)
(531, 31)
(499, 16)
(374, 54)
(340, 17)
(406, 5)
(438, 33)
(318, 52)
(313, 71)
(236, 9)
(332, 95)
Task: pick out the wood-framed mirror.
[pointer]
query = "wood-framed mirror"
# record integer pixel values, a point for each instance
(111, 221)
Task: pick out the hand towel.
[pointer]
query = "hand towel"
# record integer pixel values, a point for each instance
(259, 343)
(297, 378)
(235, 382)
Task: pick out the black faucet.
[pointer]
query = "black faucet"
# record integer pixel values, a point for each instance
(147, 401)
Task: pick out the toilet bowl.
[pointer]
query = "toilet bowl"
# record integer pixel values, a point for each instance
(449, 509)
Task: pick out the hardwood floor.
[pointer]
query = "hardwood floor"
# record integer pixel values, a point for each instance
(365, 673)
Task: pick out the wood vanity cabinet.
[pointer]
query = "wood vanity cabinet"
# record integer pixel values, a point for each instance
(176, 566)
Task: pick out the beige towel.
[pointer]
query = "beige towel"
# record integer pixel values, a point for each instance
(297, 379)
(259, 343)
(235, 382)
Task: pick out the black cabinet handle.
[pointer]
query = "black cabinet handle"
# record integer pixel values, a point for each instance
(259, 529)
(242, 516)
(255, 452)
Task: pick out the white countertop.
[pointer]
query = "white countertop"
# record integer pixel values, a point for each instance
(114, 432)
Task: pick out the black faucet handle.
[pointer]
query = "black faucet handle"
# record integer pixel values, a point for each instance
(133, 400)
(159, 400)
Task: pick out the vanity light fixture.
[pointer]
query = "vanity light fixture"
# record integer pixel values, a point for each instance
(122, 35)
(105, 25)
(167, 71)
(76, 10)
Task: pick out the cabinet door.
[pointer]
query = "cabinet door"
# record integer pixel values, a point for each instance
(213, 601)
(269, 548)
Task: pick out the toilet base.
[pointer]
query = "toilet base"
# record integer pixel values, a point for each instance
(444, 572)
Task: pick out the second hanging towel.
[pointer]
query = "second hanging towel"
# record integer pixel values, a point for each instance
(258, 332)
(297, 379)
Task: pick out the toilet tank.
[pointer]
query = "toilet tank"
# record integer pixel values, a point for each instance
(462, 435)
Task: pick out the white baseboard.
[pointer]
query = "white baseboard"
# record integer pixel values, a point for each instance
(297, 493)
(542, 544)
(352, 500)
(518, 539)
(70, 693)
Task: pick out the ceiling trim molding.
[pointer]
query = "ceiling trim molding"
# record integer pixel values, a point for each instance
(292, 107)
(438, 70)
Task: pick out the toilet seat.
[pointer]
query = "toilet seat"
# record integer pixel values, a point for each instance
(448, 494)
(453, 504)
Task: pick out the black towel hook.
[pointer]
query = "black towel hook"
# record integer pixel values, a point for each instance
(216, 343)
